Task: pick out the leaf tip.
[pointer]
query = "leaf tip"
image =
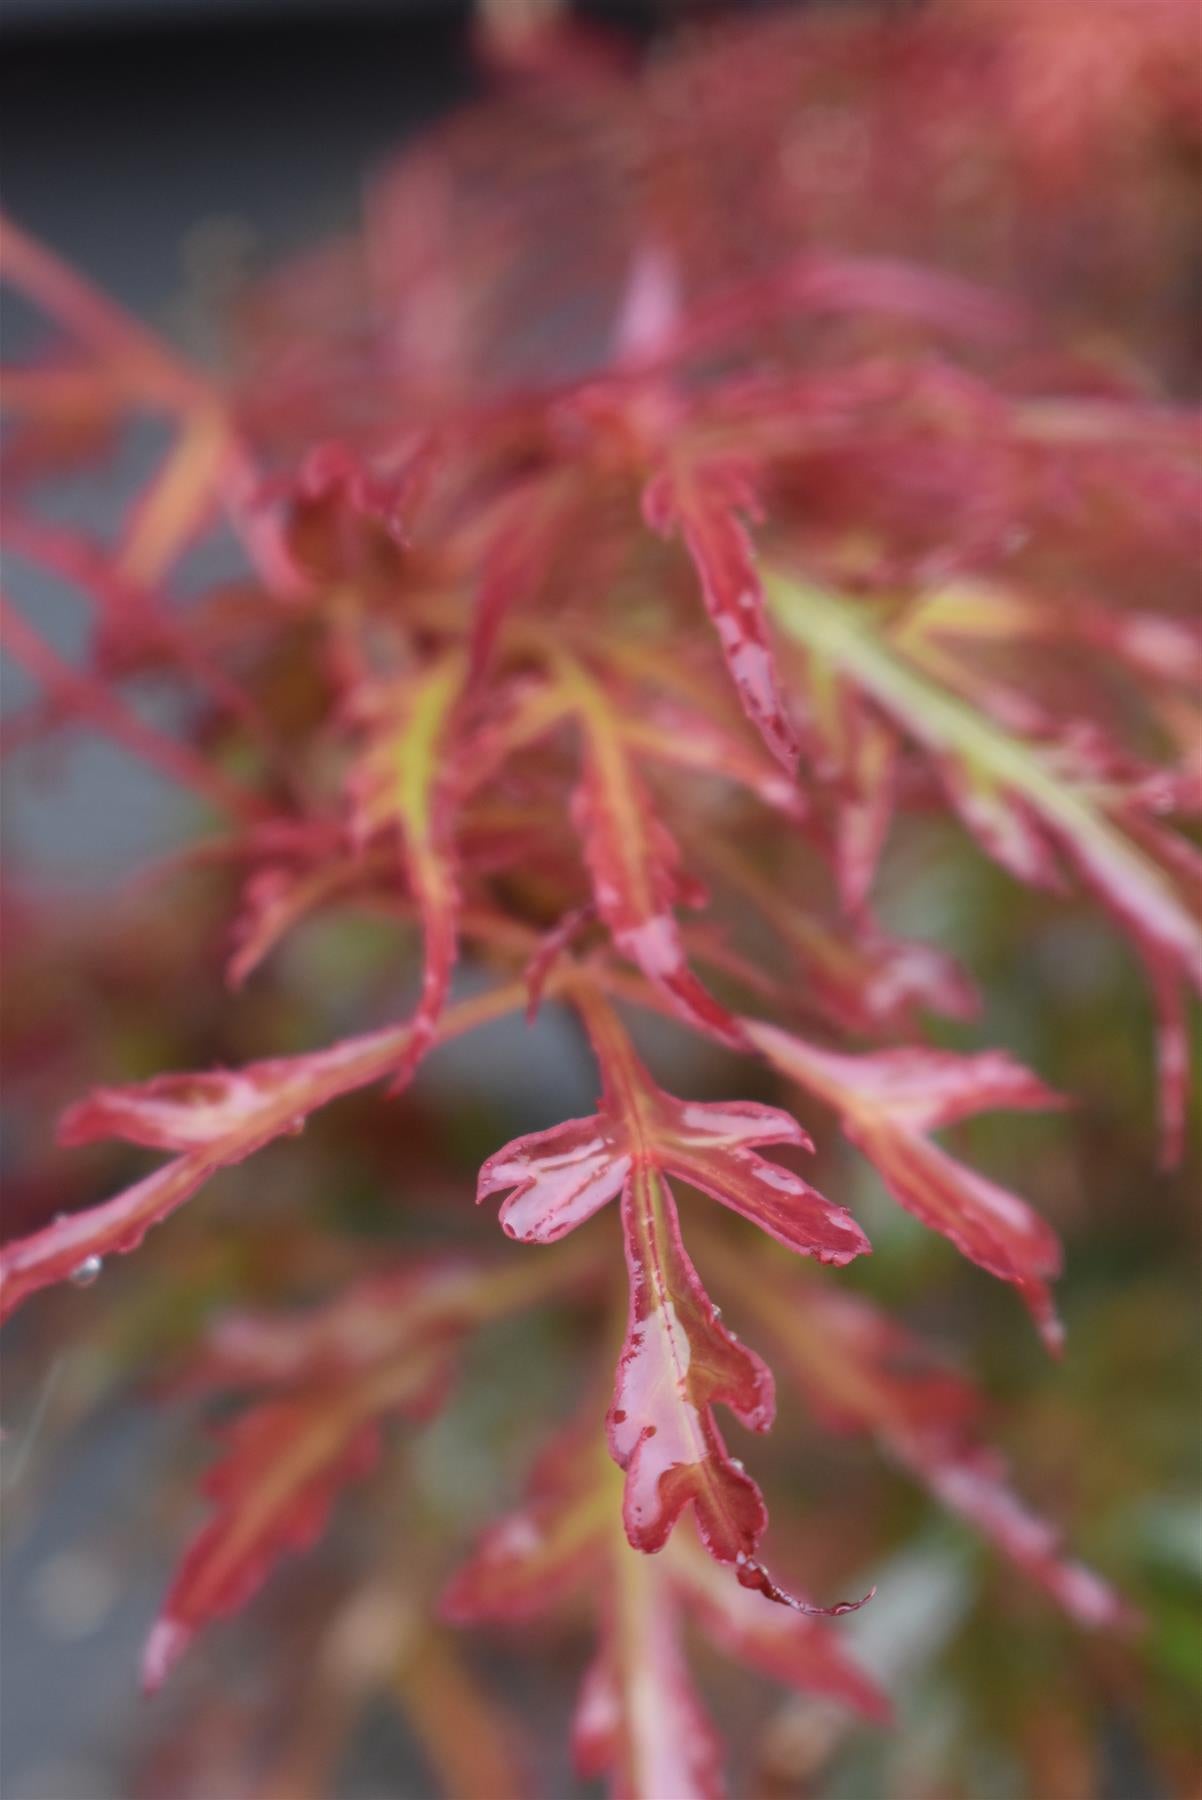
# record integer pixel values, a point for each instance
(165, 1646)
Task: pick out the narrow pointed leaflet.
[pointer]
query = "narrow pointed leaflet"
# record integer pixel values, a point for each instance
(890, 1102)
(406, 781)
(705, 503)
(633, 861)
(678, 1360)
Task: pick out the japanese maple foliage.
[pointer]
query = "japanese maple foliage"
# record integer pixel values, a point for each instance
(646, 524)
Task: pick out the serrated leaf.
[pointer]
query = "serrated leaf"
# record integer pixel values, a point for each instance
(558, 1178)
(677, 1364)
(678, 1361)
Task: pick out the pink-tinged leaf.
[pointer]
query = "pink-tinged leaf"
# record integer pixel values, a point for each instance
(562, 1176)
(559, 1178)
(422, 1305)
(639, 1720)
(974, 1486)
(521, 545)
(275, 899)
(405, 783)
(273, 1491)
(547, 1548)
(864, 809)
(553, 945)
(687, 738)
(863, 1372)
(79, 695)
(178, 1112)
(860, 980)
(711, 1147)
(787, 1644)
(704, 504)
(889, 1102)
(636, 879)
(238, 1113)
(678, 1361)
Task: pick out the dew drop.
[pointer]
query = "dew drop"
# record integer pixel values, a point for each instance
(85, 1273)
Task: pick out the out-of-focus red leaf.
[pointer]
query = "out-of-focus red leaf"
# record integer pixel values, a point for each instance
(284, 1464)
(80, 695)
(634, 863)
(861, 1371)
(890, 1102)
(639, 1720)
(861, 980)
(214, 1119)
(686, 737)
(406, 781)
(344, 513)
(275, 899)
(384, 1347)
(545, 1549)
(704, 504)
(787, 1644)
(419, 1304)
